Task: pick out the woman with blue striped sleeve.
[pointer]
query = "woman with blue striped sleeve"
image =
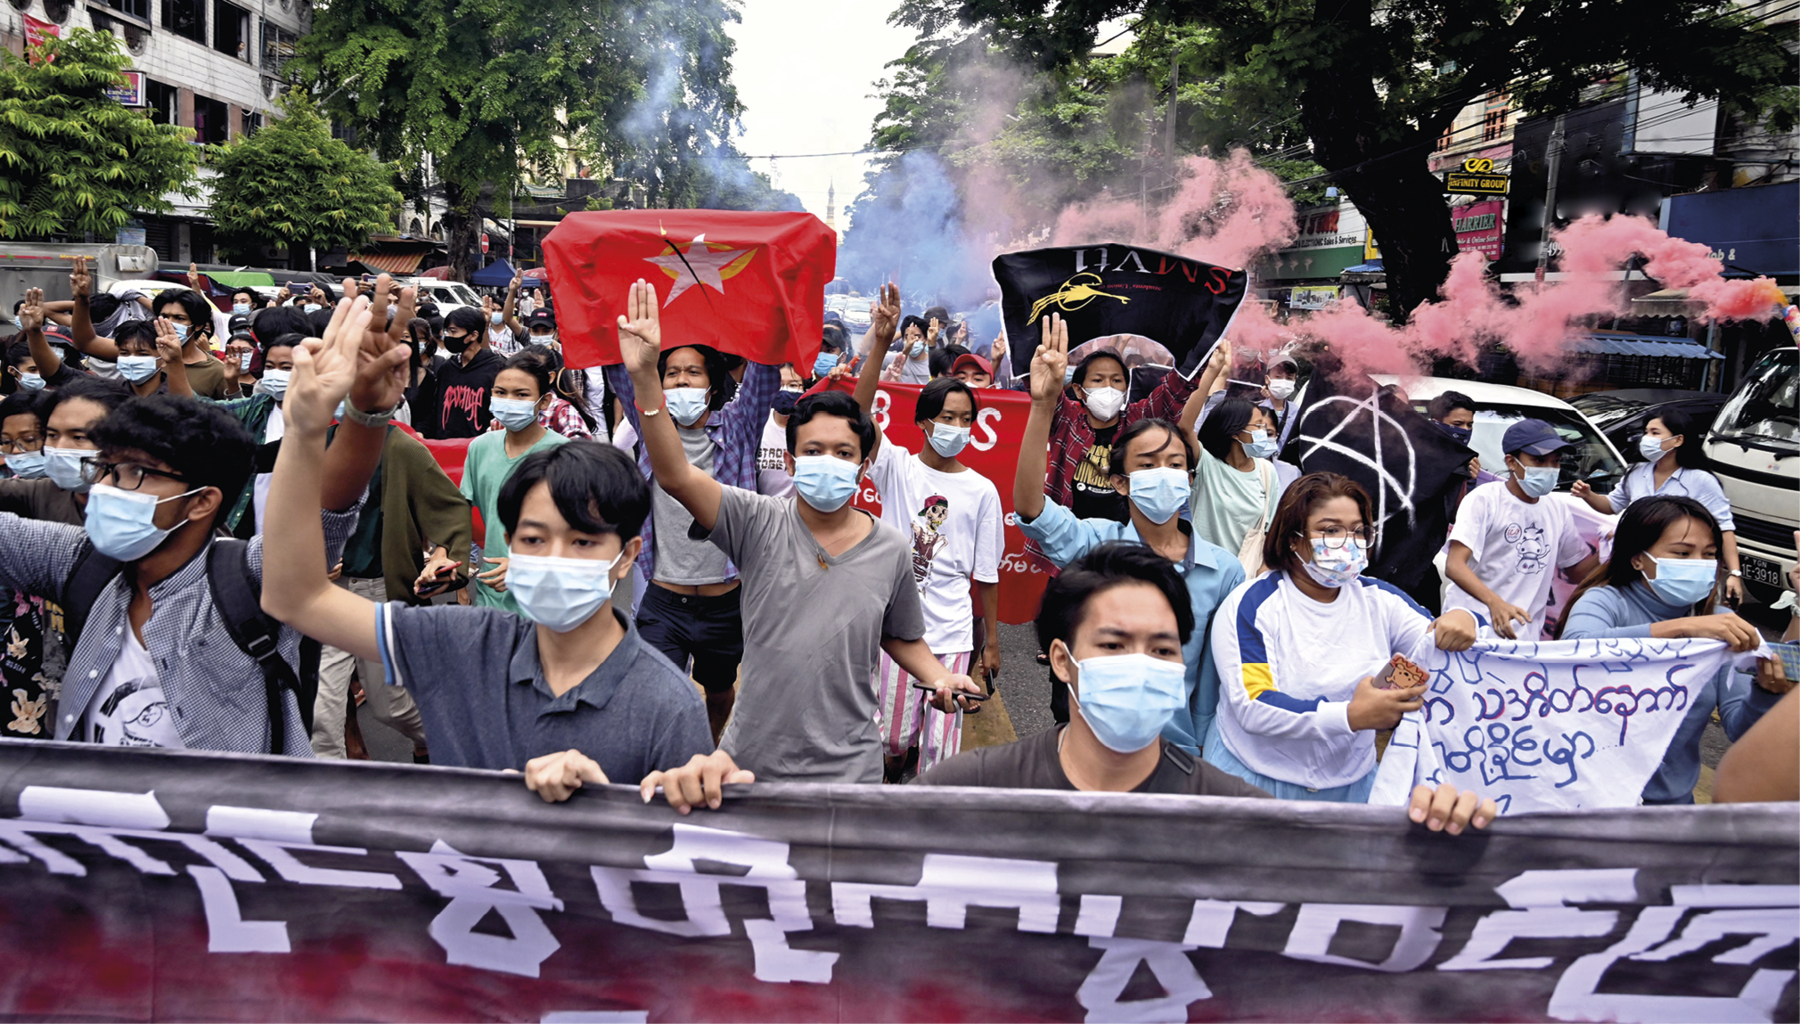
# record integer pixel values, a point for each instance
(1297, 650)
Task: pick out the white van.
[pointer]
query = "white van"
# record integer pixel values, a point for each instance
(1755, 450)
(447, 294)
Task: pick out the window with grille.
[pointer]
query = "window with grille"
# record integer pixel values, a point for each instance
(278, 48)
(1493, 125)
(231, 30)
(139, 9)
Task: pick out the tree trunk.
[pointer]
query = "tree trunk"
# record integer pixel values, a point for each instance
(1384, 171)
(462, 229)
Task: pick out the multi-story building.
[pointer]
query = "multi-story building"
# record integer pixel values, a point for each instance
(215, 66)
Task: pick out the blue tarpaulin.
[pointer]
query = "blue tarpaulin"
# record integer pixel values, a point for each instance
(1643, 345)
(499, 274)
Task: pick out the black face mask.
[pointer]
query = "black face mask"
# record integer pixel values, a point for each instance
(456, 344)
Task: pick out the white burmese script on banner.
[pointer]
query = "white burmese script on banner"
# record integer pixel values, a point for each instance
(1551, 725)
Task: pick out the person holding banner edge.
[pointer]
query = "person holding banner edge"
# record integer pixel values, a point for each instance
(1149, 464)
(1115, 622)
(1297, 649)
(569, 692)
(825, 588)
(1663, 580)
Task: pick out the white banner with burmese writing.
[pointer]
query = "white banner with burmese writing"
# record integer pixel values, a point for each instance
(1550, 725)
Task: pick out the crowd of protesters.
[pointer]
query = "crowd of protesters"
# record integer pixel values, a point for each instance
(222, 529)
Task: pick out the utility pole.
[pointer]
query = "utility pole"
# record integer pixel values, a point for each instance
(1555, 157)
(1174, 92)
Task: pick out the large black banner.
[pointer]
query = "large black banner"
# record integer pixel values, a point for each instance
(1101, 290)
(152, 885)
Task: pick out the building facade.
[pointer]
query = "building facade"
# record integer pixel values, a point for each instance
(215, 66)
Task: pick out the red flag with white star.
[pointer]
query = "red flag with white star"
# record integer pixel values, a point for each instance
(748, 283)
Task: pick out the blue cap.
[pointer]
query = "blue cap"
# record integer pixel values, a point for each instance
(1534, 437)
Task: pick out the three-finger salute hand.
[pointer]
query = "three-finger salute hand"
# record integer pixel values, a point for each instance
(556, 777)
(640, 329)
(1051, 360)
(700, 781)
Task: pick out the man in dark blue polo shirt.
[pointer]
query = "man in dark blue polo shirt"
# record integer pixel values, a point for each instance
(569, 694)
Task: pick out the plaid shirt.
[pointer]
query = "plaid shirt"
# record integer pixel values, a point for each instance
(1071, 436)
(215, 690)
(736, 431)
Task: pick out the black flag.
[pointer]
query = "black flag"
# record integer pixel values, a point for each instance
(1407, 466)
(1182, 304)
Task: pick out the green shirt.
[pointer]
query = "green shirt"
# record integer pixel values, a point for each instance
(485, 470)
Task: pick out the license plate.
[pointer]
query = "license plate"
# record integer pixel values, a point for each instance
(1760, 570)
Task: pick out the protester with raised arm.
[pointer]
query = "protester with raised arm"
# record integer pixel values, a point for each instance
(568, 693)
(952, 515)
(826, 588)
(1149, 465)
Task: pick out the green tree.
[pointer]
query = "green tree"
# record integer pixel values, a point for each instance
(72, 160)
(291, 184)
(1374, 85)
(493, 93)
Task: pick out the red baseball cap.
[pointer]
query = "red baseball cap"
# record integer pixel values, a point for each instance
(971, 359)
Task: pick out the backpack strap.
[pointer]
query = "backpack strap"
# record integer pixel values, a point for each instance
(92, 573)
(238, 597)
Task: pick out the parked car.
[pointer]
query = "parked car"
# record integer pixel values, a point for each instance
(1754, 448)
(447, 294)
(1623, 415)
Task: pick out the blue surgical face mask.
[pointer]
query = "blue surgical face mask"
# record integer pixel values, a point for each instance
(824, 481)
(63, 466)
(275, 382)
(1539, 480)
(181, 332)
(495, 318)
(559, 593)
(27, 465)
(1336, 567)
(311, 307)
(137, 369)
(686, 405)
(240, 307)
(31, 381)
(917, 349)
(1159, 493)
(1127, 699)
(1684, 581)
(1261, 445)
(514, 414)
(824, 364)
(1651, 448)
(947, 440)
(122, 524)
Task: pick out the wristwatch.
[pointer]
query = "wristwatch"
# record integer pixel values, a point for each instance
(368, 419)
(1739, 573)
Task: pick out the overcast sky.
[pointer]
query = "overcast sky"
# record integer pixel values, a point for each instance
(805, 70)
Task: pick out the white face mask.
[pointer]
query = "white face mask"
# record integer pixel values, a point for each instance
(1280, 389)
(1104, 403)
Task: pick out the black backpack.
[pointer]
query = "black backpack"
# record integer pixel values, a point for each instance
(238, 597)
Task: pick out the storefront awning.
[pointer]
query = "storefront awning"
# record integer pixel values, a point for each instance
(401, 264)
(1643, 345)
(1675, 302)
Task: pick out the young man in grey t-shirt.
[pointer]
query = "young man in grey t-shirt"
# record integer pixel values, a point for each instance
(825, 587)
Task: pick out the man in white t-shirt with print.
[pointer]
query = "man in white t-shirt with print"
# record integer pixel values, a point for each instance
(772, 477)
(954, 518)
(1509, 542)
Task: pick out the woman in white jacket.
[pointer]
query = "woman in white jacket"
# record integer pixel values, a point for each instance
(1297, 650)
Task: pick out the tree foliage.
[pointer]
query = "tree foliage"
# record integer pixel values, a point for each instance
(1374, 85)
(73, 160)
(493, 93)
(292, 185)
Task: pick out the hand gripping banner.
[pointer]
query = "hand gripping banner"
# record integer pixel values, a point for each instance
(152, 885)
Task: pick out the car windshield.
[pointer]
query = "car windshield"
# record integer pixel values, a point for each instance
(1604, 410)
(1591, 458)
(1765, 405)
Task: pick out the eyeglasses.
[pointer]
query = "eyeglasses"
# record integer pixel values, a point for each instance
(126, 476)
(28, 443)
(1335, 536)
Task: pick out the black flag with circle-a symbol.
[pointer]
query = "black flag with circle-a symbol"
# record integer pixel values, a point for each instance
(1407, 466)
(1180, 303)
